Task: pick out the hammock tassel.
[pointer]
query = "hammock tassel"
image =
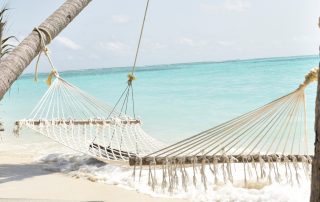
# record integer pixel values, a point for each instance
(176, 177)
(224, 170)
(194, 161)
(134, 171)
(296, 168)
(286, 164)
(203, 174)
(248, 167)
(184, 175)
(170, 189)
(231, 160)
(245, 171)
(155, 182)
(164, 181)
(140, 173)
(290, 176)
(262, 167)
(215, 169)
(254, 165)
(270, 163)
(304, 165)
(276, 169)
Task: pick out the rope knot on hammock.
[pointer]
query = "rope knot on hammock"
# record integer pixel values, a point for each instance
(131, 78)
(53, 73)
(312, 76)
(44, 49)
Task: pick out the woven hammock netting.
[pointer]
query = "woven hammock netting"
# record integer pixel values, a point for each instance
(263, 141)
(77, 120)
(275, 130)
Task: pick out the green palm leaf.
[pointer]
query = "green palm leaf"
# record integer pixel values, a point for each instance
(5, 46)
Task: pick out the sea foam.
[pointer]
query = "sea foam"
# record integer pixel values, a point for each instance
(82, 166)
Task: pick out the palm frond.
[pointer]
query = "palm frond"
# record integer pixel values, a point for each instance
(8, 38)
(5, 46)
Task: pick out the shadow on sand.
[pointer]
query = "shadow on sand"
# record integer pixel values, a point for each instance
(17, 172)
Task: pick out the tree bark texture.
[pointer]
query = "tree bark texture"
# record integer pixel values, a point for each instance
(315, 177)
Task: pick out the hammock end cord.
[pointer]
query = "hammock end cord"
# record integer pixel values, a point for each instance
(131, 78)
(311, 77)
(53, 73)
(44, 49)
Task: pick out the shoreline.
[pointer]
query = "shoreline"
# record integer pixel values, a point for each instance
(23, 177)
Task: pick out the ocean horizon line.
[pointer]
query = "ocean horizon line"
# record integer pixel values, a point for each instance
(165, 66)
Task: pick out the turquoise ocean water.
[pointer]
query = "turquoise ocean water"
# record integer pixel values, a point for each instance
(179, 100)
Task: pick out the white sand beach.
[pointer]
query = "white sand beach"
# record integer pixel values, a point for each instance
(22, 177)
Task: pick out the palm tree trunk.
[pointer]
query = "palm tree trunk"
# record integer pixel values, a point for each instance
(15, 62)
(315, 178)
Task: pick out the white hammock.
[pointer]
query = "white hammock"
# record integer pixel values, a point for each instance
(273, 134)
(77, 120)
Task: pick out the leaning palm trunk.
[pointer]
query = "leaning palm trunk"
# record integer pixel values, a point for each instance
(15, 62)
(315, 178)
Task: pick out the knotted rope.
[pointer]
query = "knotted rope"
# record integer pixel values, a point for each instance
(312, 76)
(44, 49)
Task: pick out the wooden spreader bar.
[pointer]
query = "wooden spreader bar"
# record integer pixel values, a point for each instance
(219, 159)
(78, 122)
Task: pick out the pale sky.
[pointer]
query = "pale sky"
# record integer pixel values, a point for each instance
(105, 34)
